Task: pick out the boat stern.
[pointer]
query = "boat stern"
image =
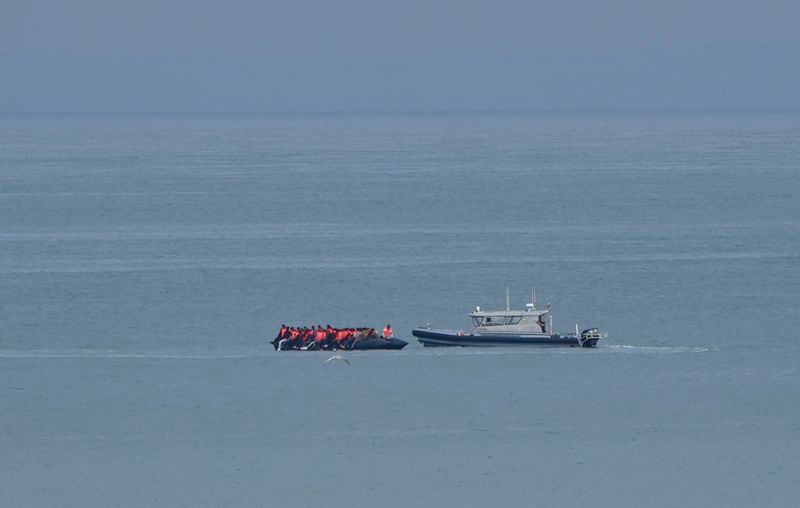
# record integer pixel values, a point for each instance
(590, 336)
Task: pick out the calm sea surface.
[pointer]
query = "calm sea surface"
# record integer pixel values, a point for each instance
(145, 260)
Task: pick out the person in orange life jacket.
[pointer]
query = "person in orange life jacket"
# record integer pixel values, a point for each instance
(291, 336)
(281, 338)
(387, 332)
(311, 342)
(349, 338)
(282, 332)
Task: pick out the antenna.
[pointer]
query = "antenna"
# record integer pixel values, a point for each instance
(533, 297)
(508, 301)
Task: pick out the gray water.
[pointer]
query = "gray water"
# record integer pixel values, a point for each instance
(146, 260)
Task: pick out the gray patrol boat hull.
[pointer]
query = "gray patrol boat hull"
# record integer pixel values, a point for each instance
(430, 337)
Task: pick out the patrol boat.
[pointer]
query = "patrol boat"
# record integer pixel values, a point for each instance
(529, 327)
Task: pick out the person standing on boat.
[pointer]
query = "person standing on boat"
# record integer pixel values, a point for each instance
(540, 322)
(387, 332)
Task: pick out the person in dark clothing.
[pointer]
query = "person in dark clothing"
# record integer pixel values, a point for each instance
(351, 338)
(291, 338)
(282, 332)
(320, 338)
(339, 339)
(280, 340)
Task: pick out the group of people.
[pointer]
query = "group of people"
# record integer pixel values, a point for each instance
(328, 337)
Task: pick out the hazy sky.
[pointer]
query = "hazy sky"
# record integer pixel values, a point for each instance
(319, 55)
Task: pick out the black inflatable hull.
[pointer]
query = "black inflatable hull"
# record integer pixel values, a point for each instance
(361, 345)
(443, 338)
(370, 344)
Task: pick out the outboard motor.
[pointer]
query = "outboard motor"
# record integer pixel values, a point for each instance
(590, 336)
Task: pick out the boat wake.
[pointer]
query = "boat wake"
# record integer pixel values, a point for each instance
(655, 349)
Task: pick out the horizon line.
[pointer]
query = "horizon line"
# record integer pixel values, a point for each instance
(423, 111)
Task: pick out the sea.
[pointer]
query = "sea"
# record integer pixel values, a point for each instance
(146, 261)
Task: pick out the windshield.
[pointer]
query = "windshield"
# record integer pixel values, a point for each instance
(494, 321)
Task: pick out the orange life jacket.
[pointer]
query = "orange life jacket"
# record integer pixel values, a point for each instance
(387, 332)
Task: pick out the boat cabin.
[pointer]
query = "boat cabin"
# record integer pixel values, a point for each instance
(529, 320)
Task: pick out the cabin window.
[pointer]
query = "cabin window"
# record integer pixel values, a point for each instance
(476, 320)
(494, 321)
(513, 320)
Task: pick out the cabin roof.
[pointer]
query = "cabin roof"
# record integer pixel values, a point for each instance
(492, 313)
